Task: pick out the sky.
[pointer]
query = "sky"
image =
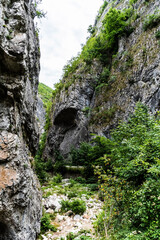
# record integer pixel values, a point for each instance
(62, 32)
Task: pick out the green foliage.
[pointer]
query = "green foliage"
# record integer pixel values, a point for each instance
(157, 35)
(103, 116)
(91, 29)
(131, 2)
(151, 21)
(115, 25)
(59, 166)
(58, 87)
(72, 194)
(102, 8)
(104, 75)
(46, 224)
(76, 206)
(39, 13)
(80, 180)
(42, 167)
(79, 157)
(129, 179)
(57, 178)
(87, 111)
(39, 163)
(81, 235)
(94, 48)
(71, 66)
(45, 93)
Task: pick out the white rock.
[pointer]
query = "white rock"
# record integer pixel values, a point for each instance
(77, 217)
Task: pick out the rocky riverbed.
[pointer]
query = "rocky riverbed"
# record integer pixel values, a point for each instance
(68, 224)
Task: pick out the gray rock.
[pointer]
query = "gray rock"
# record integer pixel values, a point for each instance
(20, 196)
(53, 202)
(40, 115)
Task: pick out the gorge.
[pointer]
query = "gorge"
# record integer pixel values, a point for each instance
(117, 71)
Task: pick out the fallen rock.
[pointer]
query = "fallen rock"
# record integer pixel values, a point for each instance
(77, 217)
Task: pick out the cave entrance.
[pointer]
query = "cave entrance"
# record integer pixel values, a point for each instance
(66, 117)
(5, 233)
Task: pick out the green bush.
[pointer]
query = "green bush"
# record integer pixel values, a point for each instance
(76, 206)
(41, 166)
(71, 66)
(57, 178)
(100, 47)
(72, 194)
(157, 35)
(59, 166)
(79, 157)
(151, 21)
(103, 79)
(80, 180)
(93, 187)
(46, 224)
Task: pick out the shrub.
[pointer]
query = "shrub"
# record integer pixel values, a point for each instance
(80, 180)
(93, 187)
(151, 21)
(77, 206)
(115, 25)
(72, 194)
(42, 166)
(46, 225)
(157, 35)
(79, 157)
(59, 166)
(71, 66)
(57, 178)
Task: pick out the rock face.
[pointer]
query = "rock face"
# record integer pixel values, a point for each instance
(134, 76)
(40, 115)
(20, 197)
(70, 120)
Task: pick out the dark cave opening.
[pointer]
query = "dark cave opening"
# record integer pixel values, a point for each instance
(66, 117)
(5, 232)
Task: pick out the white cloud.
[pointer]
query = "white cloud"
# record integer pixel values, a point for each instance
(62, 32)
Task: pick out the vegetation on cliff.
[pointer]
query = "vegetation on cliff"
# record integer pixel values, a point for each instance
(45, 93)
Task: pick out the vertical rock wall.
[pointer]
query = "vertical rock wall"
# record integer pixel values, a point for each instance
(134, 76)
(20, 197)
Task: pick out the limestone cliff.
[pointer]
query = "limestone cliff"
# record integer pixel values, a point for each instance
(80, 108)
(20, 198)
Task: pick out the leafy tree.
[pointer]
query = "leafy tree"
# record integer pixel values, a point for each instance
(130, 178)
